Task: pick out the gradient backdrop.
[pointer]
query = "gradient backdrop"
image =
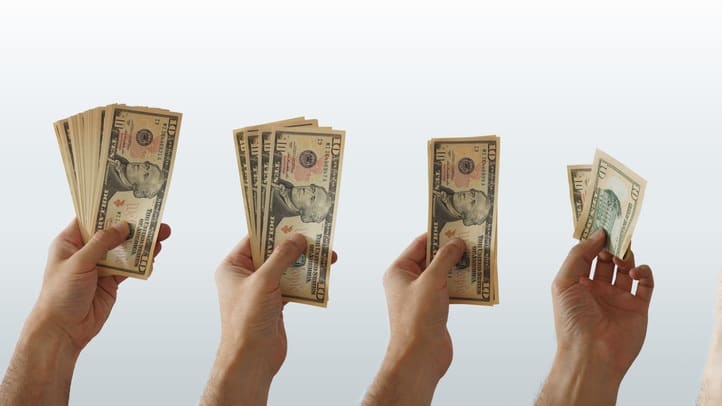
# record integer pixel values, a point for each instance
(556, 79)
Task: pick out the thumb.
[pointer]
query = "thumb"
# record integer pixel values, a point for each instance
(579, 260)
(448, 256)
(283, 257)
(99, 245)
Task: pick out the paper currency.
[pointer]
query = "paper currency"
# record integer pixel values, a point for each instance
(578, 176)
(298, 166)
(118, 161)
(612, 202)
(463, 200)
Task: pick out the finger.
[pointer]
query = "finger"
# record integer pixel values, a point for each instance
(98, 246)
(604, 271)
(625, 264)
(445, 259)
(157, 249)
(623, 280)
(164, 232)
(119, 279)
(579, 260)
(412, 259)
(643, 274)
(334, 257)
(240, 255)
(416, 251)
(70, 236)
(282, 258)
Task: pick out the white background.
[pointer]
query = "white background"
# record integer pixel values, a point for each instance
(639, 79)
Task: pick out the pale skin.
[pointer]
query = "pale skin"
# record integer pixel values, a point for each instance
(711, 392)
(253, 337)
(420, 349)
(600, 326)
(73, 305)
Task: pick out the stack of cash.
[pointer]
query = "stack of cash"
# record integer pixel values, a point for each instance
(118, 161)
(606, 195)
(463, 201)
(290, 172)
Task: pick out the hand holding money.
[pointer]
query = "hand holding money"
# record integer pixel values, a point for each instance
(600, 326)
(73, 305)
(419, 350)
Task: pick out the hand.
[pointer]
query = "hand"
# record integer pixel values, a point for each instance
(253, 337)
(74, 301)
(420, 349)
(600, 326)
(73, 305)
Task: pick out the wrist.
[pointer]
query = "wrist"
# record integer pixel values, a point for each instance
(408, 375)
(580, 378)
(41, 369)
(239, 375)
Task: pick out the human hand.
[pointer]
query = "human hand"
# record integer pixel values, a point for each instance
(72, 307)
(420, 348)
(253, 337)
(600, 326)
(74, 300)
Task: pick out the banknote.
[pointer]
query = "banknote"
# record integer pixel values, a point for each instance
(239, 137)
(463, 184)
(613, 202)
(138, 151)
(578, 176)
(302, 197)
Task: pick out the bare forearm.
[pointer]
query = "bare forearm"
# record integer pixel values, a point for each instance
(405, 378)
(237, 378)
(711, 391)
(578, 381)
(41, 369)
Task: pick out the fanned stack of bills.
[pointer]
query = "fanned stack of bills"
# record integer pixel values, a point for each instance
(290, 172)
(606, 195)
(463, 201)
(118, 160)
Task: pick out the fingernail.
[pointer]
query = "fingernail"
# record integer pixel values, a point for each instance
(123, 227)
(298, 240)
(458, 244)
(598, 235)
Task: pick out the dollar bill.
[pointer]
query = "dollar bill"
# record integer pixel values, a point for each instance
(138, 151)
(578, 177)
(463, 184)
(239, 137)
(613, 202)
(301, 197)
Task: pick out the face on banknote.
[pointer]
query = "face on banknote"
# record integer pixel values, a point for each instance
(301, 197)
(141, 145)
(463, 181)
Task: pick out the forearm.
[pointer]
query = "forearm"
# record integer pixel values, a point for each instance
(405, 378)
(577, 379)
(238, 378)
(41, 369)
(711, 391)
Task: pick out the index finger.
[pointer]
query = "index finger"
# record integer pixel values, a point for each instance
(240, 255)
(579, 260)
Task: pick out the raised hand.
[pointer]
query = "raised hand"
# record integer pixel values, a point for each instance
(420, 348)
(600, 325)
